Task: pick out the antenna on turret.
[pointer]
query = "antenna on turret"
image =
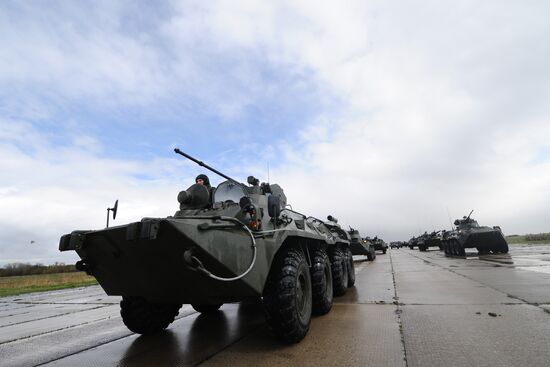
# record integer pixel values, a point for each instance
(450, 220)
(114, 210)
(267, 172)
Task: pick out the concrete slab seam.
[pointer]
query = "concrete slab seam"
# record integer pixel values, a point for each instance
(398, 313)
(52, 316)
(101, 344)
(55, 330)
(227, 346)
(83, 350)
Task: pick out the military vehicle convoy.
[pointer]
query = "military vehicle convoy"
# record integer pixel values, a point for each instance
(361, 247)
(235, 243)
(427, 240)
(469, 234)
(378, 244)
(412, 242)
(396, 244)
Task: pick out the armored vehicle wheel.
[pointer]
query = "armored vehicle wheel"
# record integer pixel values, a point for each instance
(384, 251)
(350, 266)
(455, 248)
(202, 308)
(339, 271)
(482, 251)
(321, 282)
(460, 249)
(371, 255)
(287, 296)
(144, 317)
(504, 248)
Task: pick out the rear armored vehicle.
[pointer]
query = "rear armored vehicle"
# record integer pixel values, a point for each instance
(412, 242)
(395, 244)
(428, 240)
(378, 244)
(233, 243)
(469, 234)
(361, 247)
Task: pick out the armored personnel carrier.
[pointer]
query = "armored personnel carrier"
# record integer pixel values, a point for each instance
(378, 244)
(396, 244)
(413, 242)
(420, 241)
(359, 246)
(469, 234)
(428, 240)
(338, 232)
(237, 242)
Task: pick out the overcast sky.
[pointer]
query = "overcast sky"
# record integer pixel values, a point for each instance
(389, 115)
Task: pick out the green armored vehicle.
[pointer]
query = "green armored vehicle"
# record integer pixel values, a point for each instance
(237, 242)
(469, 234)
(378, 244)
(396, 244)
(337, 231)
(359, 246)
(413, 242)
(428, 240)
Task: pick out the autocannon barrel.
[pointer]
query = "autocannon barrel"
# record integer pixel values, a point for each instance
(202, 164)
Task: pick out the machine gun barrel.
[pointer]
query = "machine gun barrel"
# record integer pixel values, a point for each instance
(200, 163)
(470, 214)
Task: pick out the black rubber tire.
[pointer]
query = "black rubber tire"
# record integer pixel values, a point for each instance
(143, 317)
(384, 251)
(203, 308)
(456, 248)
(339, 271)
(350, 266)
(321, 283)
(287, 296)
(461, 251)
(371, 255)
(504, 248)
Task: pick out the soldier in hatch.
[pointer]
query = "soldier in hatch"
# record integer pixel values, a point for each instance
(202, 179)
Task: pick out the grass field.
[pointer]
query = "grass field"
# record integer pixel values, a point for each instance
(38, 283)
(512, 240)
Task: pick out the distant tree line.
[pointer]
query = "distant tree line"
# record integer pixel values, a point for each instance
(538, 237)
(34, 269)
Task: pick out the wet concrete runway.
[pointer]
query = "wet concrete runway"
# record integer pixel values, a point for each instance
(408, 308)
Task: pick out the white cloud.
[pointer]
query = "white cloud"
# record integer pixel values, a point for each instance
(48, 190)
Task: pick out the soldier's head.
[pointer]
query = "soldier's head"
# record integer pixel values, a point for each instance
(202, 180)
